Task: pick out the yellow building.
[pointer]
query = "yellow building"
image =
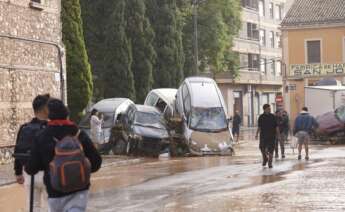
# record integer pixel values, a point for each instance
(313, 36)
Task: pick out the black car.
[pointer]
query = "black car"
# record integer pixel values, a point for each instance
(144, 131)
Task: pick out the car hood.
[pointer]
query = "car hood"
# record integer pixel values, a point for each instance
(150, 132)
(211, 140)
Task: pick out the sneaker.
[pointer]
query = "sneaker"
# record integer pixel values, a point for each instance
(283, 156)
(270, 165)
(276, 156)
(307, 157)
(299, 157)
(264, 162)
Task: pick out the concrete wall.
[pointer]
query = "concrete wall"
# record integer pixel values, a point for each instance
(27, 68)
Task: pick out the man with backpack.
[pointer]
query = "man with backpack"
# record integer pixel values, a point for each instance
(304, 126)
(25, 138)
(67, 157)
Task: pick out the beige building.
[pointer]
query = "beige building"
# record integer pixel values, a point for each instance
(31, 60)
(313, 48)
(259, 47)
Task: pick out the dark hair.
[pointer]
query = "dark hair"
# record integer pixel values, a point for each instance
(93, 112)
(305, 109)
(40, 102)
(57, 110)
(266, 106)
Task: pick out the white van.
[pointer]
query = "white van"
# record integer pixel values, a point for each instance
(201, 106)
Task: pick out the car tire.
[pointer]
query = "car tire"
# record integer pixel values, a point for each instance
(119, 147)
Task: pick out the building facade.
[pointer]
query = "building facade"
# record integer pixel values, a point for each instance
(31, 60)
(313, 48)
(259, 47)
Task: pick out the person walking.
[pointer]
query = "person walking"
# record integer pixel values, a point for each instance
(236, 124)
(269, 131)
(304, 126)
(280, 138)
(67, 156)
(96, 128)
(25, 138)
(286, 126)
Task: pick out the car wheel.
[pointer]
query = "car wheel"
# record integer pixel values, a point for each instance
(119, 147)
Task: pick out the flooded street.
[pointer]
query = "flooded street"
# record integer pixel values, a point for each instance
(236, 183)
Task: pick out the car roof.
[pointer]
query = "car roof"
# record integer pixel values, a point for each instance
(109, 105)
(199, 79)
(204, 92)
(147, 109)
(167, 94)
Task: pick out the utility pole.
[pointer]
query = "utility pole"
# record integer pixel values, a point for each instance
(195, 20)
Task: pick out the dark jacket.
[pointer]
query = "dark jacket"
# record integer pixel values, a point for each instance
(18, 164)
(42, 154)
(237, 121)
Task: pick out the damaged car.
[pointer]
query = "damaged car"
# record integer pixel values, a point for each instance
(205, 125)
(144, 131)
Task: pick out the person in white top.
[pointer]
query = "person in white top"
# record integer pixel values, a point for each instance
(96, 127)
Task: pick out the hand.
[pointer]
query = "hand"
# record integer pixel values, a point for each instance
(20, 179)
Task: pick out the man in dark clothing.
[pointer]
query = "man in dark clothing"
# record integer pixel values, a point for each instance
(42, 153)
(280, 139)
(268, 129)
(25, 138)
(236, 125)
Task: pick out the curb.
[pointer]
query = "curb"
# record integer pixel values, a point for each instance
(123, 162)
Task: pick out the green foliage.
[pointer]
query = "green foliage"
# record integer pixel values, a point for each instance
(167, 24)
(218, 22)
(141, 36)
(79, 79)
(117, 75)
(95, 15)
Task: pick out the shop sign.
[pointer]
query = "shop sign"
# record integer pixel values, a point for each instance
(316, 69)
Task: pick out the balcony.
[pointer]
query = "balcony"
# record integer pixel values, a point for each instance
(250, 77)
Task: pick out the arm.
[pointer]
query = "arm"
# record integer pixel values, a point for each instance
(259, 129)
(90, 152)
(18, 166)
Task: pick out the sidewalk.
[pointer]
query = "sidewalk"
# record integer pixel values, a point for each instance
(7, 173)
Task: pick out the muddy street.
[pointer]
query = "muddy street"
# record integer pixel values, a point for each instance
(236, 183)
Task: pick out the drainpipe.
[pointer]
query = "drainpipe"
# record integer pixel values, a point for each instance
(60, 55)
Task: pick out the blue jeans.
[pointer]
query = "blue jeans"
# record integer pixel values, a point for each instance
(76, 202)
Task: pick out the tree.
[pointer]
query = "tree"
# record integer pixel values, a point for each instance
(79, 78)
(95, 16)
(219, 22)
(165, 19)
(141, 37)
(117, 75)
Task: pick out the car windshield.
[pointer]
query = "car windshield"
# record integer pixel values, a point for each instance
(208, 119)
(340, 114)
(108, 120)
(149, 120)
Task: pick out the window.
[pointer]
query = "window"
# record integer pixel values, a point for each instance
(272, 39)
(250, 62)
(278, 12)
(262, 37)
(273, 67)
(313, 51)
(243, 61)
(252, 31)
(261, 8)
(278, 37)
(253, 62)
(263, 65)
(250, 4)
(271, 9)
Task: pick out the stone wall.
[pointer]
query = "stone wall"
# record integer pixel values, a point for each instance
(27, 67)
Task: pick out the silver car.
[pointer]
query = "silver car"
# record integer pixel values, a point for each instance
(111, 109)
(205, 123)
